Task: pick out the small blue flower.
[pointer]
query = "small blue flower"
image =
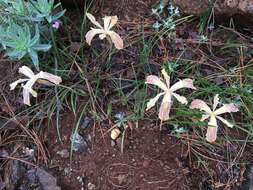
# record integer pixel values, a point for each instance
(176, 12)
(169, 24)
(154, 11)
(171, 9)
(161, 6)
(156, 25)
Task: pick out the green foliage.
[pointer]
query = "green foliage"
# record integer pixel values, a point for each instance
(168, 22)
(18, 42)
(43, 9)
(167, 19)
(21, 24)
(19, 8)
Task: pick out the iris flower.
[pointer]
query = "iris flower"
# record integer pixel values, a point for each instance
(213, 114)
(168, 93)
(41, 77)
(103, 32)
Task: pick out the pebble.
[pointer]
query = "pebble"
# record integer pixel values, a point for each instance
(64, 153)
(119, 115)
(47, 181)
(79, 144)
(113, 143)
(67, 171)
(86, 123)
(91, 186)
(80, 180)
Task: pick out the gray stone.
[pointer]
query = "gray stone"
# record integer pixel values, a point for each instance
(64, 153)
(47, 181)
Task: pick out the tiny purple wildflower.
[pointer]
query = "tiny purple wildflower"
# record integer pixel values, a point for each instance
(56, 24)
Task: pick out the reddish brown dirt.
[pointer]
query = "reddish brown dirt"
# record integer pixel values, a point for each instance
(150, 160)
(7, 75)
(129, 9)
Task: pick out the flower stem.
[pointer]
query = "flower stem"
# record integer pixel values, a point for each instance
(58, 102)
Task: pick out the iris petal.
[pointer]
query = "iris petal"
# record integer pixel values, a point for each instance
(226, 108)
(199, 104)
(185, 83)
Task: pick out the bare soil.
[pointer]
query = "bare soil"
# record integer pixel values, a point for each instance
(151, 160)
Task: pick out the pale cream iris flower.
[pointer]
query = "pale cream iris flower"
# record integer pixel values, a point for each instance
(28, 83)
(103, 32)
(213, 114)
(168, 93)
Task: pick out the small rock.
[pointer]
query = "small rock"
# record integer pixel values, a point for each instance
(64, 153)
(47, 181)
(79, 144)
(91, 186)
(113, 143)
(79, 179)
(67, 171)
(86, 123)
(119, 116)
